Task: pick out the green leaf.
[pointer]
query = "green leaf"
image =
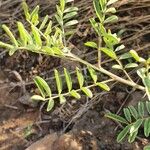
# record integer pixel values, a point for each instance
(37, 98)
(24, 35)
(91, 44)
(111, 39)
(147, 147)
(102, 29)
(26, 10)
(12, 51)
(133, 112)
(62, 99)
(37, 36)
(98, 10)
(80, 77)
(87, 91)
(71, 23)
(45, 20)
(48, 29)
(62, 5)
(135, 55)
(112, 18)
(109, 52)
(120, 48)
(10, 34)
(117, 67)
(22, 32)
(75, 94)
(68, 79)
(59, 19)
(50, 104)
(103, 86)
(5, 45)
(70, 15)
(116, 118)
(135, 126)
(93, 74)
(111, 10)
(48, 50)
(132, 136)
(34, 16)
(68, 1)
(131, 65)
(146, 82)
(42, 86)
(95, 25)
(58, 81)
(141, 73)
(57, 51)
(127, 114)
(102, 4)
(147, 127)
(70, 9)
(123, 134)
(111, 2)
(148, 106)
(141, 109)
(125, 56)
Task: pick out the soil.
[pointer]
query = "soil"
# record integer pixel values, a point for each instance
(22, 122)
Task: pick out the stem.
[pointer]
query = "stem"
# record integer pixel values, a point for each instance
(99, 52)
(63, 33)
(119, 62)
(78, 90)
(113, 76)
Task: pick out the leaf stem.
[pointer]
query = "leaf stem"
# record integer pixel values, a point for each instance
(78, 90)
(99, 52)
(113, 76)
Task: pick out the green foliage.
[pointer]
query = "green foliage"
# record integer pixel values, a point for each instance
(133, 119)
(43, 37)
(46, 94)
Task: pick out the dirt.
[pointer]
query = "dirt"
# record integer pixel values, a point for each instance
(79, 125)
